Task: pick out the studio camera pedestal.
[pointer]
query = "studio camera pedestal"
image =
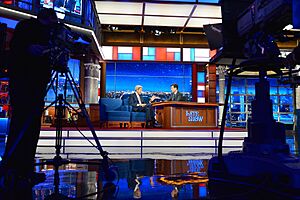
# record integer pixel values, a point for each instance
(265, 163)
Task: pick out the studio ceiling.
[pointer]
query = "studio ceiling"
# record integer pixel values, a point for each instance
(183, 15)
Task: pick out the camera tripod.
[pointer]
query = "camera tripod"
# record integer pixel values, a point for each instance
(60, 107)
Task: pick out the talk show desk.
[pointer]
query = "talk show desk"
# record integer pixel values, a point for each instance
(178, 114)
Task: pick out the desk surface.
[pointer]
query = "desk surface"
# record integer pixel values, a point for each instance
(184, 103)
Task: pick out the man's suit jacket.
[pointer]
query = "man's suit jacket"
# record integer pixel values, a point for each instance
(133, 100)
(176, 97)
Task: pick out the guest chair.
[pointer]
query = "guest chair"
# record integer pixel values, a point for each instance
(113, 113)
(137, 119)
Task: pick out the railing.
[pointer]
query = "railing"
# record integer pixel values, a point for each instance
(139, 144)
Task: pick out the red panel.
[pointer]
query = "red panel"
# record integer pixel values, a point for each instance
(7, 2)
(115, 53)
(160, 54)
(136, 53)
(194, 82)
(170, 56)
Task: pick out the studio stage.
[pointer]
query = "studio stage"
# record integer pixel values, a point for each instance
(140, 143)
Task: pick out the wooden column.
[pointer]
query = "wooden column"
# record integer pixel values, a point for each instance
(211, 82)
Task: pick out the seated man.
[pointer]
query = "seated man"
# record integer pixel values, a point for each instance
(139, 105)
(176, 95)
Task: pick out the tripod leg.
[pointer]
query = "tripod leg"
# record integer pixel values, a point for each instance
(108, 173)
(85, 114)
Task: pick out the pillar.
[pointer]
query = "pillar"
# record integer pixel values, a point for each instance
(221, 71)
(91, 78)
(103, 80)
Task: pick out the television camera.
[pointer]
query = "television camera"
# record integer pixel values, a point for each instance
(63, 42)
(250, 25)
(250, 30)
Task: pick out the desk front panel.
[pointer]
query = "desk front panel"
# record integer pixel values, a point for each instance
(187, 117)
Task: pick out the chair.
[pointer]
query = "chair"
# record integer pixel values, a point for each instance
(114, 113)
(137, 119)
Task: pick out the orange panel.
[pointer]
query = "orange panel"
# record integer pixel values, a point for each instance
(136, 53)
(160, 54)
(115, 53)
(170, 56)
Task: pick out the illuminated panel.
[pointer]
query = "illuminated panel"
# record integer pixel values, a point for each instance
(173, 54)
(121, 53)
(196, 54)
(148, 53)
(168, 9)
(201, 87)
(108, 52)
(161, 54)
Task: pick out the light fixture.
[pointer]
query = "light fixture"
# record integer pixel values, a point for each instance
(157, 32)
(288, 27)
(172, 31)
(113, 28)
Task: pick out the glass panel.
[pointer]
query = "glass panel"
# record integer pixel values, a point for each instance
(273, 91)
(275, 108)
(238, 82)
(286, 118)
(285, 91)
(237, 90)
(240, 124)
(250, 99)
(251, 82)
(237, 99)
(237, 117)
(274, 99)
(251, 90)
(286, 100)
(286, 108)
(273, 82)
(238, 108)
(275, 116)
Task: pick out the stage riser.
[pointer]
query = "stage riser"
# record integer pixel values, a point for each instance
(139, 144)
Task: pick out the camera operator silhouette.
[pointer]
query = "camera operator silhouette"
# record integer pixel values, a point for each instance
(29, 74)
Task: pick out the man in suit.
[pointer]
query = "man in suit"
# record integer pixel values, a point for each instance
(139, 105)
(176, 95)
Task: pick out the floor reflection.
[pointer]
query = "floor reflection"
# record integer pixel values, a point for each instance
(147, 179)
(135, 179)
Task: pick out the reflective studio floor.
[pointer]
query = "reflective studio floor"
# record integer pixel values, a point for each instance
(163, 175)
(178, 178)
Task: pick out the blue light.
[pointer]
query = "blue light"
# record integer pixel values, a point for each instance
(125, 56)
(296, 14)
(208, 1)
(177, 56)
(10, 23)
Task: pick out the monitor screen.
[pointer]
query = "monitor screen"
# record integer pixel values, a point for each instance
(64, 6)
